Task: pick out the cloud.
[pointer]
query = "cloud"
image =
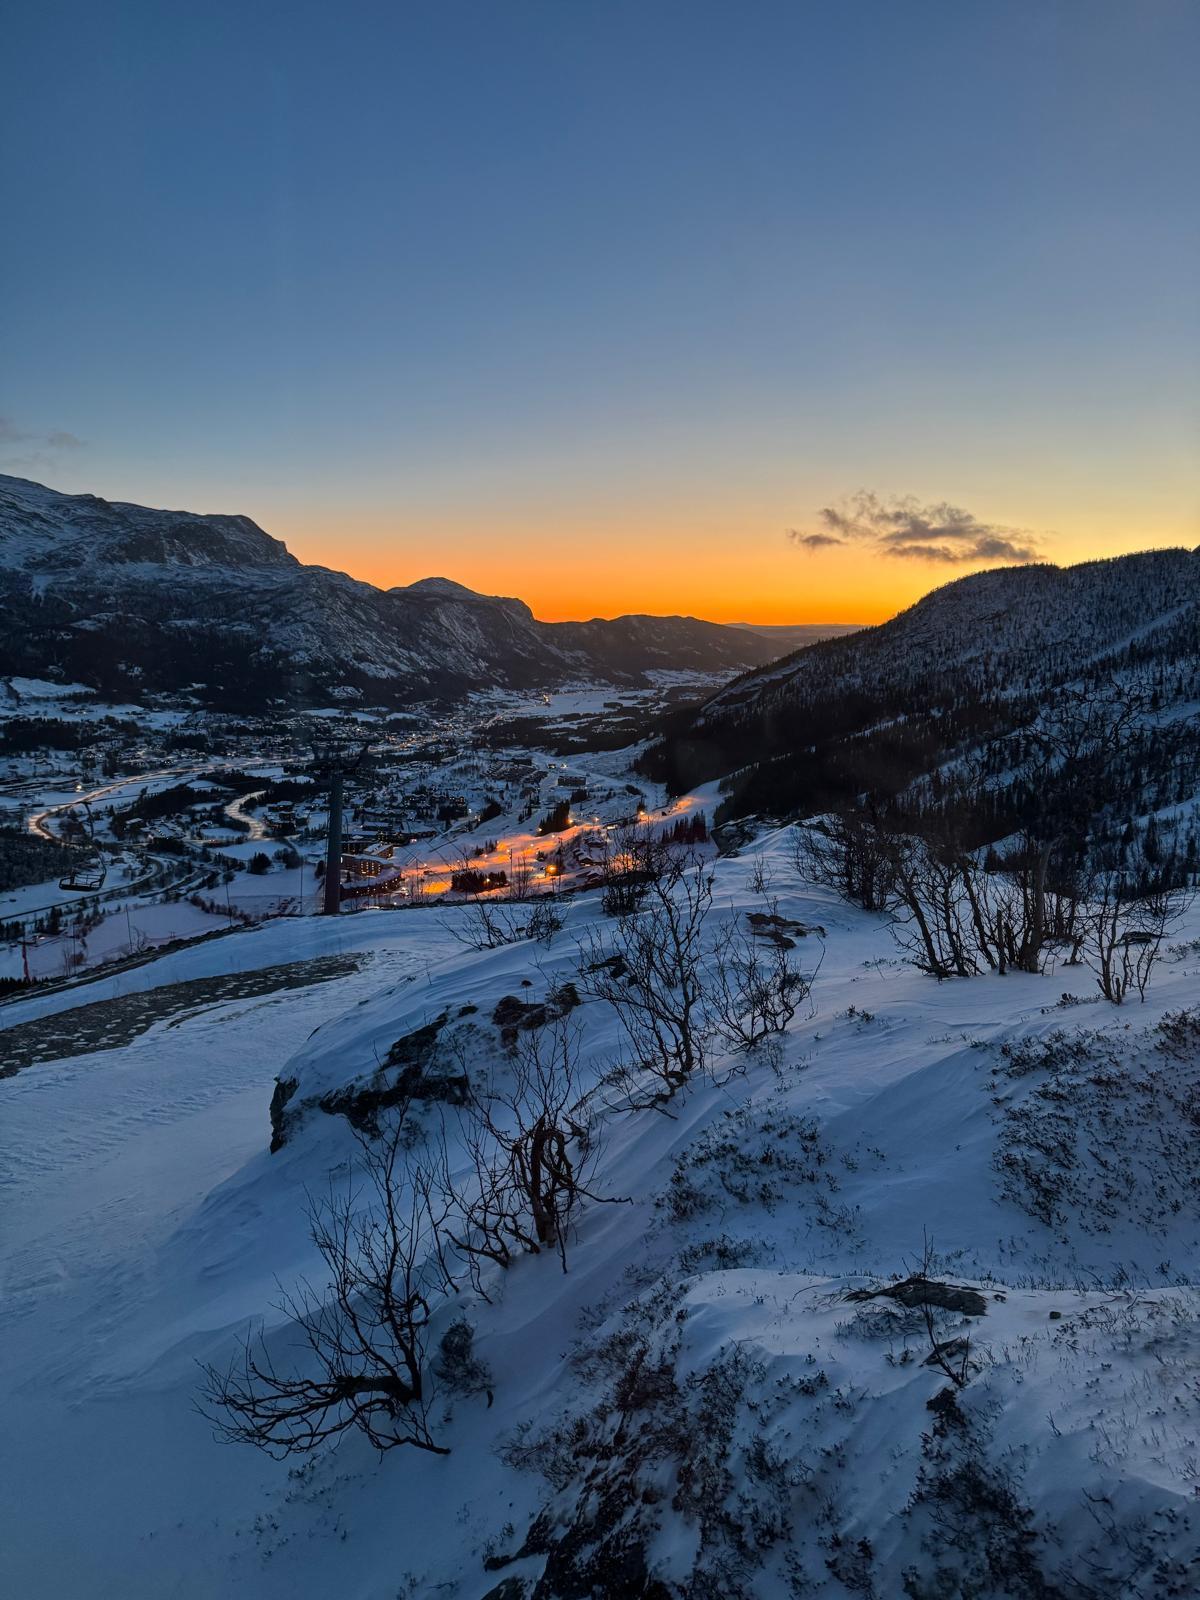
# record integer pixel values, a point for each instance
(31, 451)
(905, 528)
(812, 541)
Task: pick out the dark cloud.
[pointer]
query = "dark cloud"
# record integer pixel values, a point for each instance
(812, 541)
(907, 529)
(30, 451)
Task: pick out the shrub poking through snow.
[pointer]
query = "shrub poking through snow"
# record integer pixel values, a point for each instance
(530, 1156)
(365, 1329)
(649, 972)
(756, 988)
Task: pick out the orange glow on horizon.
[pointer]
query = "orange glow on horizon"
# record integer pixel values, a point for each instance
(715, 570)
(566, 589)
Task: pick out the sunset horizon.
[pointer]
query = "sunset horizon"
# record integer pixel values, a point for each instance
(710, 570)
(600, 800)
(601, 309)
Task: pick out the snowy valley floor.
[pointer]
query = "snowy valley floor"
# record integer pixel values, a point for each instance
(705, 1401)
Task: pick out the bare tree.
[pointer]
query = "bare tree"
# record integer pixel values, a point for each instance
(649, 972)
(529, 1152)
(851, 852)
(1027, 909)
(363, 1333)
(951, 915)
(1061, 760)
(633, 859)
(930, 910)
(520, 877)
(755, 989)
(1125, 936)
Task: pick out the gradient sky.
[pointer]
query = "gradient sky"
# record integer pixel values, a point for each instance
(592, 302)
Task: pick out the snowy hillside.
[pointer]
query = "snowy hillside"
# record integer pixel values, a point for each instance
(936, 716)
(125, 599)
(1015, 627)
(901, 1301)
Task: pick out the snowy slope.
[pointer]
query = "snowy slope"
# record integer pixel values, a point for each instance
(1017, 626)
(699, 1402)
(961, 676)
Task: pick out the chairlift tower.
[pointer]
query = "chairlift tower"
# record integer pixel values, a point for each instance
(335, 763)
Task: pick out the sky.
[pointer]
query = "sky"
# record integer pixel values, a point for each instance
(754, 311)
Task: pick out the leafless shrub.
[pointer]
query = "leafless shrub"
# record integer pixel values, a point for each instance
(760, 879)
(490, 924)
(951, 1356)
(931, 915)
(1125, 937)
(922, 1293)
(364, 1331)
(486, 924)
(951, 916)
(850, 852)
(456, 1366)
(545, 920)
(1027, 909)
(530, 1156)
(764, 1160)
(634, 859)
(1179, 1034)
(649, 972)
(755, 989)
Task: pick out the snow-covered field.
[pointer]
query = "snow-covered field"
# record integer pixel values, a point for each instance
(699, 1399)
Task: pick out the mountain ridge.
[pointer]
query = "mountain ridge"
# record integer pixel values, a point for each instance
(970, 666)
(128, 598)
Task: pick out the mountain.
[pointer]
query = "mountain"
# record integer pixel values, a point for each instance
(125, 598)
(790, 636)
(968, 670)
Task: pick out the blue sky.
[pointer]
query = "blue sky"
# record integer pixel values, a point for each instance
(510, 285)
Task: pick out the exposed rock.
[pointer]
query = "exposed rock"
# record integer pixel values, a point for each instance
(284, 1089)
(777, 930)
(919, 1291)
(410, 1071)
(513, 1015)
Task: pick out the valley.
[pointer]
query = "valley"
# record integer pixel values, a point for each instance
(756, 1120)
(600, 802)
(175, 843)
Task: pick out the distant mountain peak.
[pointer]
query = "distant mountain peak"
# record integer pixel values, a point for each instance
(127, 599)
(446, 586)
(41, 528)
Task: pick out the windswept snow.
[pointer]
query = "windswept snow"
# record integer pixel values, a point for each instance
(702, 1390)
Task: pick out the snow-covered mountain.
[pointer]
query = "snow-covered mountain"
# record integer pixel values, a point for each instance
(121, 596)
(972, 663)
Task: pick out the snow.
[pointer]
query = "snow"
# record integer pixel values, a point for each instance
(118, 934)
(143, 1223)
(43, 689)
